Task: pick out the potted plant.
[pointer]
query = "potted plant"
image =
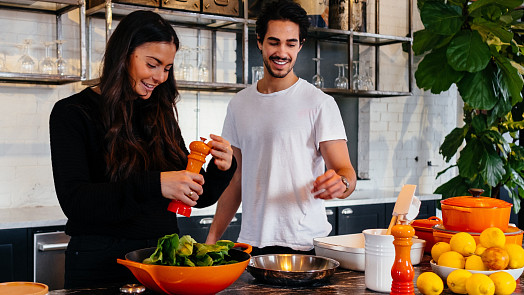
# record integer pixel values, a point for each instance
(478, 47)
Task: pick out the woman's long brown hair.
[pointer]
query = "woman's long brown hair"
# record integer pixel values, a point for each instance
(160, 146)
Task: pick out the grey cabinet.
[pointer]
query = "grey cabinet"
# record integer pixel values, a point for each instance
(355, 219)
(14, 254)
(198, 227)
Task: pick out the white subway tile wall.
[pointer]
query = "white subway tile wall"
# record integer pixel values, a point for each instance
(397, 135)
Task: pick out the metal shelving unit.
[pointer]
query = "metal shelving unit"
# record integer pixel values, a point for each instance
(56, 8)
(241, 25)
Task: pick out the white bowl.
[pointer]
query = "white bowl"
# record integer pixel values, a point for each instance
(349, 250)
(444, 271)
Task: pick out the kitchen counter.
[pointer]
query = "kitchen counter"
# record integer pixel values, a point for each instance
(53, 216)
(342, 282)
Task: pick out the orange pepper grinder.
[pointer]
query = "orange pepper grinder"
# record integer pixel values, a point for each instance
(402, 271)
(195, 160)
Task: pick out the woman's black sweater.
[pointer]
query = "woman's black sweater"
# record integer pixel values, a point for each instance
(132, 208)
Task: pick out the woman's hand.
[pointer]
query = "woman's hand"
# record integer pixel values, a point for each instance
(182, 185)
(222, 152)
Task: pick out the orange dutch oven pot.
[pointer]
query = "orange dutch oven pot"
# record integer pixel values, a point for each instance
(475, 213)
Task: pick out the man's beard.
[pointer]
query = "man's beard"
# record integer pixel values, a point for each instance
(273, 74)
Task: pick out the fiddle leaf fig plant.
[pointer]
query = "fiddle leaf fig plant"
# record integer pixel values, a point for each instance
(477, 46)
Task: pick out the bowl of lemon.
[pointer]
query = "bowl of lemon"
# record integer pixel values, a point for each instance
(489, 263)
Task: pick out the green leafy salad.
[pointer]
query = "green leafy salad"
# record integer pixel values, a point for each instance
(185, 251)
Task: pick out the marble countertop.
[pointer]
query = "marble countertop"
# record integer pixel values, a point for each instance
(342, 282)
(53, 216)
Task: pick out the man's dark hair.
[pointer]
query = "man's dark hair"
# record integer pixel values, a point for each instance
(282, 10)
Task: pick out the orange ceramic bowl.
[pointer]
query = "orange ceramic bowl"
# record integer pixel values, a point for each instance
(441, 234)
(474, 214)
(186, 279)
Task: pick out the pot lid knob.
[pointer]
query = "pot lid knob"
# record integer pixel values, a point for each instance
(132, 289)
(476, 192)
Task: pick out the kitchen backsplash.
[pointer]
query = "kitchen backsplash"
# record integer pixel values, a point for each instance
(398, 136)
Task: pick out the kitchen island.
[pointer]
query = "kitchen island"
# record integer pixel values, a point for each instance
(342, 282)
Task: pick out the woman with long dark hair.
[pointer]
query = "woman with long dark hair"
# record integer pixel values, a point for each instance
(119, 158)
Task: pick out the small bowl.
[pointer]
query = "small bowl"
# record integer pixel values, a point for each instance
(350, 251)
(291, 269)
(444, 271)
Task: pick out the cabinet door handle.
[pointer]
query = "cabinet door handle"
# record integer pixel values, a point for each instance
(222, 2)
(52, 247)
(347, 211)
(329, 212)
(209, 220)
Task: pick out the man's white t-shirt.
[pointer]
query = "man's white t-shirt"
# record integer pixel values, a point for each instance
(279, 135)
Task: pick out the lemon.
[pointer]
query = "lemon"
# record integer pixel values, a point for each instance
(474, 262)
(480, 284)
(429, 283)
(438, 249)
(457, 281)
(480, 249)
(504, 282)
(516, 255)
(463, 243)
(451, 259)
(492, 237)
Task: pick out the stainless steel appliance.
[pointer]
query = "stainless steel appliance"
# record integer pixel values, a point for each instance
(49, 258)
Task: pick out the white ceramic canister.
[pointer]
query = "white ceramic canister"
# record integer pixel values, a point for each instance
(380, 256)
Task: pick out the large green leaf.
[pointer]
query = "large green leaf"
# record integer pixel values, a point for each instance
(424, 40)
(469, 159)
(479, 123)
(501, 108)
(442, 19)
(477, 89)
(452, 142)
(510, 79)
(491, 168)
(494, 137)
(435, 74)
(486, 27)
(467, 52)
(510, 4)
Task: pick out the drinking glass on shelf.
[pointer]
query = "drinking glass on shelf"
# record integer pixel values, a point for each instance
(356, 80)
(317, 80)
(257, 73)
(61, 63)
(367, 81)
(26, 64)
(186, 67)
(47, 65)
(341, 81)
(202, 70)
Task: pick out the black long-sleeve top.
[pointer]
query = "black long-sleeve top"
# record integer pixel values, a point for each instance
(94, 205)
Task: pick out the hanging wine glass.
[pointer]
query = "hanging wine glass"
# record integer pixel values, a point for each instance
(367, 81)
(317, 80)
(341, 81)
(61, 63)
(47, 65)
(186, 67)
(356, 79)
(203, 70)
(26, 64)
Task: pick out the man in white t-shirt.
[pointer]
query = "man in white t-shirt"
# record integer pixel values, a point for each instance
(284, 132)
